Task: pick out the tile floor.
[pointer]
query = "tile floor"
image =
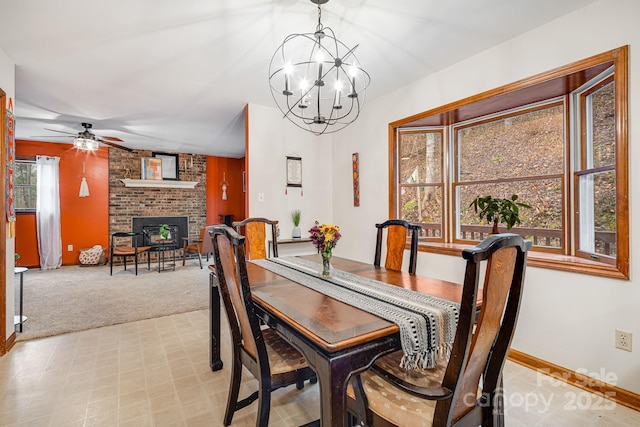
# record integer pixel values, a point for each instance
(155, 372)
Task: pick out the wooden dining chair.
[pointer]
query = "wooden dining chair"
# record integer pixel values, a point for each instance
(194, 246)
(397, 230)
(207, 246)
(269, 358)
(465, 389)
(136, 245)
(255, 232)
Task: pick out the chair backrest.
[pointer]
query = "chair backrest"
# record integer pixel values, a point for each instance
(135, 239)
(207, 246)
(231, 267)
(255, 232)
(397, 230)
(480, 349)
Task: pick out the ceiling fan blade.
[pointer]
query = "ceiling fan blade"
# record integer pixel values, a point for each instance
(111, 138)
(61, 131)
(51, 136)
(113, 144)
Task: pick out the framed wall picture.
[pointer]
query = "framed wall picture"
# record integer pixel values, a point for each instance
(294, 171)
(151, 168)
(170, 165)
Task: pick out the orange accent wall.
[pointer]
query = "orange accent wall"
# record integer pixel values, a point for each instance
(234, 204)
(84, 221)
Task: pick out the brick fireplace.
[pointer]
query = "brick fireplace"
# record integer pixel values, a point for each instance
(126, 203)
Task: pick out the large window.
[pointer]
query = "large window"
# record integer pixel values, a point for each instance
(558, 142)
(24, 185)
(519, 152)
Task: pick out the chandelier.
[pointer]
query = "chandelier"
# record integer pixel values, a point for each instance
(317, 81)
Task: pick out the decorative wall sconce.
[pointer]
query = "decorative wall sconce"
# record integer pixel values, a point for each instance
(225, 184)
(187, 164)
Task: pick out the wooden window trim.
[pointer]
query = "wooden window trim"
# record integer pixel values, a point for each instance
(524, 92)
(538, 258)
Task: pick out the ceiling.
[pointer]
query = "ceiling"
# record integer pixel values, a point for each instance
(175, 75)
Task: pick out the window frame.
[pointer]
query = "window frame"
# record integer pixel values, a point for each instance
(440, 185)
(456, 182)
(24, 160)
(561, 81)
(585, 151)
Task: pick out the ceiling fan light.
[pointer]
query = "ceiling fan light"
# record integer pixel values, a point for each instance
(85, 144)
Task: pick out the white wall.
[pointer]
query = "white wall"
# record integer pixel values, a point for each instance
(7, 84)
(567, 319)
(271, 139)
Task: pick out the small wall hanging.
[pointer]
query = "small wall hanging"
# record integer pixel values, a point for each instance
(224, 184)
(355, 162)
(294, 173)
(84, 187)
(10, 168)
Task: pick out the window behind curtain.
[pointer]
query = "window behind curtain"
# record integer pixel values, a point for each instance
(25, 186)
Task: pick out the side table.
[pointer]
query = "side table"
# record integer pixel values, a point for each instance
(18, 320)
(162, 248)
(288, 241)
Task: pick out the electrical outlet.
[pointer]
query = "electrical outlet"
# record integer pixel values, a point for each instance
(623, 339)
(70, 248)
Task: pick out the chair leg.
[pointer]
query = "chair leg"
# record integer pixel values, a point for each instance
(234, 390)
(135, 260)
(111, 263)
(264, 404)
(199, 259)
(184, 256)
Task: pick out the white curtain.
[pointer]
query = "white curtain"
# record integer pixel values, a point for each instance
(48, 212)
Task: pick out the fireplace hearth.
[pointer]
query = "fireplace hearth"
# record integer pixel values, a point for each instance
(181, 224)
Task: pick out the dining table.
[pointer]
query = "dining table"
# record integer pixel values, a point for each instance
(338, 340)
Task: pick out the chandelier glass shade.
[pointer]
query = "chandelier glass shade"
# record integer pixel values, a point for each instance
(87, 144)
(317, 81)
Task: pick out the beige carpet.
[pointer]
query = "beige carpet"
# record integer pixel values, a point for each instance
(75, 298)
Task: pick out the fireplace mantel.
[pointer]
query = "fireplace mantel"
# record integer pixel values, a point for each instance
(150, 183)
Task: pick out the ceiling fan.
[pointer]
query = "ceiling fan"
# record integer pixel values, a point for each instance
(86, 140)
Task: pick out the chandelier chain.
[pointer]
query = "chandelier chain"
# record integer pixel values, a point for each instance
(319, 27)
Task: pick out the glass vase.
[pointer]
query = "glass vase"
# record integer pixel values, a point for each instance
(326, 264)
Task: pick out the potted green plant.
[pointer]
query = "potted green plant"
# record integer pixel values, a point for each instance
(296, 215)
(495, 210)
(164, 232)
